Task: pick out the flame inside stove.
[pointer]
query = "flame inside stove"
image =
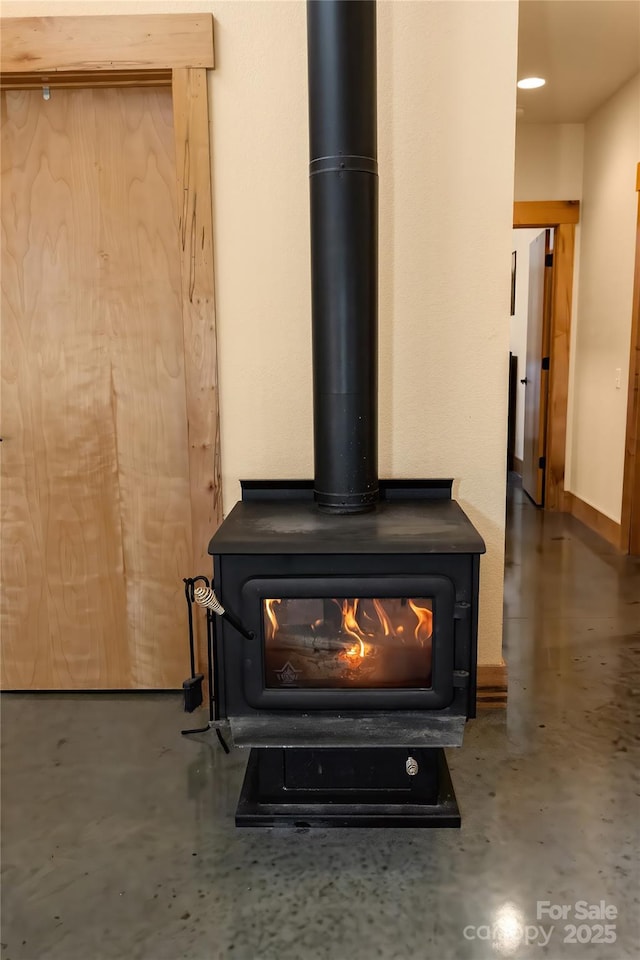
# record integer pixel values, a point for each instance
(388, 623)
(352, 628)
(383, 617)
(424, 628)
(273, 620)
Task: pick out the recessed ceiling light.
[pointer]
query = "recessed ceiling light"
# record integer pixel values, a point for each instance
(530, 83)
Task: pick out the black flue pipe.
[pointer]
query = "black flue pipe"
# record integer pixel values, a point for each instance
(341, 37)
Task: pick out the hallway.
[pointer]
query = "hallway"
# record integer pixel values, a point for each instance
(119, 840)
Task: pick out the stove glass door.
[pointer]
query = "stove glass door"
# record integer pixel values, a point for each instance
(347, 642)
(334, 642)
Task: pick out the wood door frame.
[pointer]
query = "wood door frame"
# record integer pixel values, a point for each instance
(533, 475)
(630, 519)
(173, 50)
(562, 215)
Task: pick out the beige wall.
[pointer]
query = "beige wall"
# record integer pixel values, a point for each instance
(447, 76)
(603, 322)
(593, 162)
(549, 161)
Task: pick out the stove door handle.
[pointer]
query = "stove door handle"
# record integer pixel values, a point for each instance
(206, 597)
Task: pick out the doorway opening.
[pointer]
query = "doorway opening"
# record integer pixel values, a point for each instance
(539, 381)
(531, 282)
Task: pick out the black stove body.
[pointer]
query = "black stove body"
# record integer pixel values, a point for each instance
(358, 663)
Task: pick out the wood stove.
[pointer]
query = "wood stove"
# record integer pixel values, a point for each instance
(359, 633)
(346, 658)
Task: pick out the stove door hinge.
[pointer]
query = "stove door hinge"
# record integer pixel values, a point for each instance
(461, 678)
(461, 610)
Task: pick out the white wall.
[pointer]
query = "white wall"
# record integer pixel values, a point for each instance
(603, 324)
(522, 239)
(548, 161)
(447, 75)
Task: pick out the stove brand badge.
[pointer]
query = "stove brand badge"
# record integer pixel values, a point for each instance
(288, 674)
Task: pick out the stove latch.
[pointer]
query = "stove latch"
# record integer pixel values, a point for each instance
(461, 610)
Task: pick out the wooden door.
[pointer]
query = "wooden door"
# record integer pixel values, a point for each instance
(96, 520)
(535, 382)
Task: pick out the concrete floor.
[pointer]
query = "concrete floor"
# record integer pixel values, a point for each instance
(118, 835)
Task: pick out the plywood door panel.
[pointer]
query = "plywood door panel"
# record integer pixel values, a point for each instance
(96, 524)
(63, 609)
(142, 304)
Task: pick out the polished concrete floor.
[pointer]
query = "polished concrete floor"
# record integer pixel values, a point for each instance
(118, 835)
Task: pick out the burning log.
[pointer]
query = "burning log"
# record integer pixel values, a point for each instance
(302, 637)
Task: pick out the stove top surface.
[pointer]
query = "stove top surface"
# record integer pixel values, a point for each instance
(281, 517)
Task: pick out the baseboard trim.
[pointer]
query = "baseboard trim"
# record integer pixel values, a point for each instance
(517, 465)
(604, 526)
(491, 686)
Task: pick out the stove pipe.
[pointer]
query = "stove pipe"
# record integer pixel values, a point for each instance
(341, 37)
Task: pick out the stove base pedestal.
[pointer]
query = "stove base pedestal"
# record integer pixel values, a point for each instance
(363, 787)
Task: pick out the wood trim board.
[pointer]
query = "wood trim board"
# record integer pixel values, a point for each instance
(545, 213)
(492, 685)
(598, 522)
(105, 43)
(71, 79)
(559, 343)
(630, 521)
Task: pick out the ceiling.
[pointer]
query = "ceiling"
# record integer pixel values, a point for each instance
(584, 49)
